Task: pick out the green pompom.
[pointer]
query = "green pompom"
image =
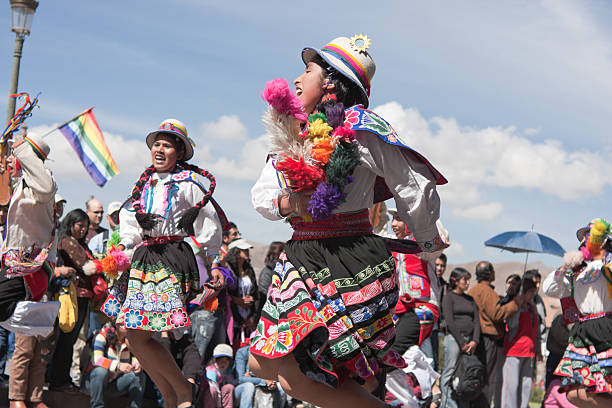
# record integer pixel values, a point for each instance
(341, 164)
(114, 239)
(314, 116)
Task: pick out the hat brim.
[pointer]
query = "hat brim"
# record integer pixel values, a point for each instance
(188, 147)
(308, 54)
(581, 233)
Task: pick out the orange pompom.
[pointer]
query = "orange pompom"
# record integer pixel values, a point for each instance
(322, 150)
(109, 266)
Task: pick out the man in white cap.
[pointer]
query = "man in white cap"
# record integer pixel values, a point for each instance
(28, 256)
(59, 207)
(97, 244)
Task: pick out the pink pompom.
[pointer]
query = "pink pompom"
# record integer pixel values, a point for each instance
(278, 95)
(122, 260)
(344, 132)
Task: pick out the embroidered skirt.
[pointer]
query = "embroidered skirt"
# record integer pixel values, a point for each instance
(587, 361)
(330, 304)
(151, 296)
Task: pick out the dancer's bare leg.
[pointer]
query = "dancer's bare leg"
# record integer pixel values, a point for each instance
(298, 385)
(266, 368)
(161, 367)
(580, 398)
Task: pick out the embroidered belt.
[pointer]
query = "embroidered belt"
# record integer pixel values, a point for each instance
(593, 316)
(339, 225)
(163, 239)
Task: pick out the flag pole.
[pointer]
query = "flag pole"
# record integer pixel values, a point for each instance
(63, 124)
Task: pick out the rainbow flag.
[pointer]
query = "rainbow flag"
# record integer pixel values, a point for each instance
(86, 138)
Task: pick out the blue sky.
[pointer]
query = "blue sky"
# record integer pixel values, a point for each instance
(511, 100)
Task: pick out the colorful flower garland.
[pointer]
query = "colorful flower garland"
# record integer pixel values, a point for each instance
(319, 155)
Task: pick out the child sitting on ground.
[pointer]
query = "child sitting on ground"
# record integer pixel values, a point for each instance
(221, 376)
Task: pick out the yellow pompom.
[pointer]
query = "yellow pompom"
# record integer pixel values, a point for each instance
(319, 129)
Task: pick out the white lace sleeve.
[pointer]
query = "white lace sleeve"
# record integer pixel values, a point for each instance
(207, 227)
(264, 194)
(556, 284)
(129, 230)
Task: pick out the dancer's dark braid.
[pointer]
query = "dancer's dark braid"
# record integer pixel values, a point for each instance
(187, 220)
(146, 220)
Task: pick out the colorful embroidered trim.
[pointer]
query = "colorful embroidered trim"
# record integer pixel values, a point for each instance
(164, 239)
(339, 225)
(585, 317)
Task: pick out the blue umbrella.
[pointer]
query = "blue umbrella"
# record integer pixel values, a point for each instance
(525, 241)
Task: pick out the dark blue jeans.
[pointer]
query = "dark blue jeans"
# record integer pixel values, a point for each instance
(97, 383)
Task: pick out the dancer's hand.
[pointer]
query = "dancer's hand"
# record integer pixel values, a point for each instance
(271, 384)
(124, 368)
(65, 271)
(470, 347)
(296, 203)
(136, 367)
(217, 276)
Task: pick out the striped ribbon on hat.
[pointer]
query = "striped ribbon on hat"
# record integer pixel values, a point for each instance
(351, 62)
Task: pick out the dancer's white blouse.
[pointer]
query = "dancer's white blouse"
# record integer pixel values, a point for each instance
(410, 180)
(182, 197)
(590, 288)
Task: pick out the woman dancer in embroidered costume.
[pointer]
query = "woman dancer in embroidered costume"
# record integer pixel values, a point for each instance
(167, 204)
(586, 279)
(327, 321)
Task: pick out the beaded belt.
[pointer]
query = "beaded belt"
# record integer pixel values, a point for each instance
(339, 225)
(585, 317)
(163, 239)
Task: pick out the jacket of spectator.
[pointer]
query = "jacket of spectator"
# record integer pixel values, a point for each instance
(492, 314)
(107, 356)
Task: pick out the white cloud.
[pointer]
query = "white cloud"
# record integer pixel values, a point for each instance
(226, 128)
(472, 158)
(455, 250)
(248, 163)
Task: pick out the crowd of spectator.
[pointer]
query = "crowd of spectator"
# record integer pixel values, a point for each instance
(88, 353)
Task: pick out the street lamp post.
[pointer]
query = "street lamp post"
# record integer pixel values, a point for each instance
(22, 14)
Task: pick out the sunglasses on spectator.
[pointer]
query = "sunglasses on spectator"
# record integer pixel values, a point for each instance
(98, 212)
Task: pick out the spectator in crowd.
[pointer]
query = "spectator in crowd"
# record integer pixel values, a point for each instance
(245, 390)
(228, 236)
(58, 207)
(440, 264)
(463, 330)
(417, 306)
(265, 276)
(95, 211)
(72, 252)
(221, 376)
(521, 346)
(97, 244)
(244, 292)
(556, 343)
(32, 199)
(113, 370)
(534, 274)
(513, 287)
(492, 317)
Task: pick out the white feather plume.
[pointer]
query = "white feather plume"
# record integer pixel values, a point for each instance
(285, 139)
